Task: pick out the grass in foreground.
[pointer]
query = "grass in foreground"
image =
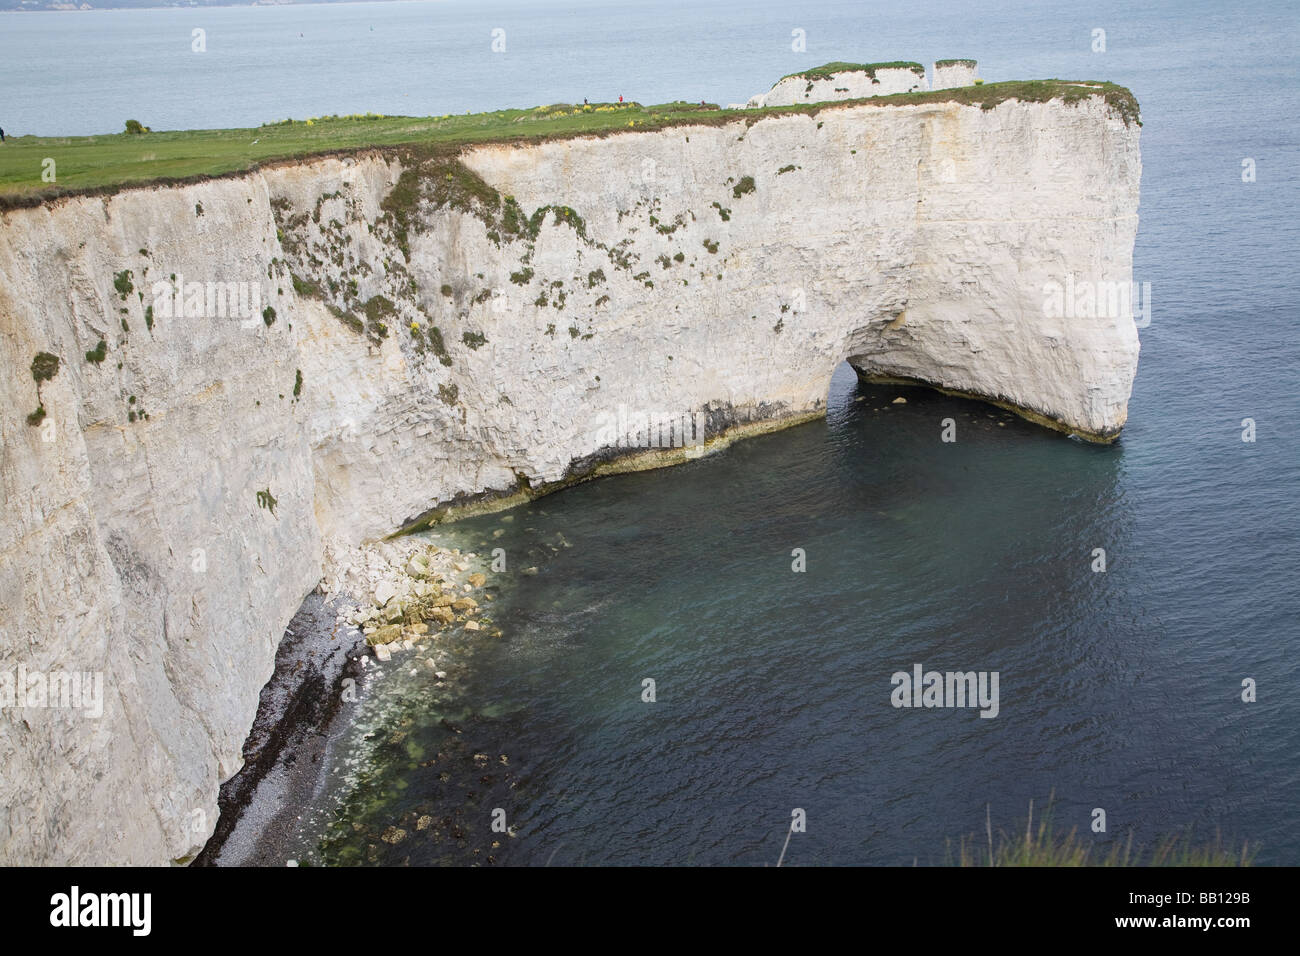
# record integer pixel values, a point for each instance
(86, 164)
(1042, 846)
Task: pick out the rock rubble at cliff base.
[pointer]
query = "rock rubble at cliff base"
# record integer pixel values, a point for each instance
(408, 592)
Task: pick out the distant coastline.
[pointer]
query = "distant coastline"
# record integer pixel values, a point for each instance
(77, 6)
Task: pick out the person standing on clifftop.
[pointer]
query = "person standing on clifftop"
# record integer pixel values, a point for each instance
(2, 135)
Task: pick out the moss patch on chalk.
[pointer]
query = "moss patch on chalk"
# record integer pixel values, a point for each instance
(44, 367)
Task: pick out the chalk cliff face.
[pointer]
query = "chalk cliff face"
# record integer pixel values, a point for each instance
(949, 74)
(497, 321)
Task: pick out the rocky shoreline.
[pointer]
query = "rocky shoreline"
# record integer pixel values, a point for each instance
(398, 599)
(411, 591)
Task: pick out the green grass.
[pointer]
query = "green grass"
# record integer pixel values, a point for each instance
(106, 163)
(942, 63)
(1042, 845)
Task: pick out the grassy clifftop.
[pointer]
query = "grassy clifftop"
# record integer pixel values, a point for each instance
(830, 69)
(90, 164)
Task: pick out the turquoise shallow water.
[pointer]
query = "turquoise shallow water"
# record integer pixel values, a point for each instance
(1118, 690)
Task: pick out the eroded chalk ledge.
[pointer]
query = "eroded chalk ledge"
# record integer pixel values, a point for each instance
(1105, 437)
(620, 461)
(730, 426)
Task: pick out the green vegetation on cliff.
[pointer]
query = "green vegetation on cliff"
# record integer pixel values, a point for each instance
(94, 164)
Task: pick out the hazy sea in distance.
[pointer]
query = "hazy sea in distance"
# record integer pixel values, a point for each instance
(1118, 690)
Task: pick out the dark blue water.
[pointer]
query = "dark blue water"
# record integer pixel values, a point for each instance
(1118, 690)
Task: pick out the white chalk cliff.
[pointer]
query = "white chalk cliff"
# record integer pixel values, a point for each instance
(854, 82)
(720, 271)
